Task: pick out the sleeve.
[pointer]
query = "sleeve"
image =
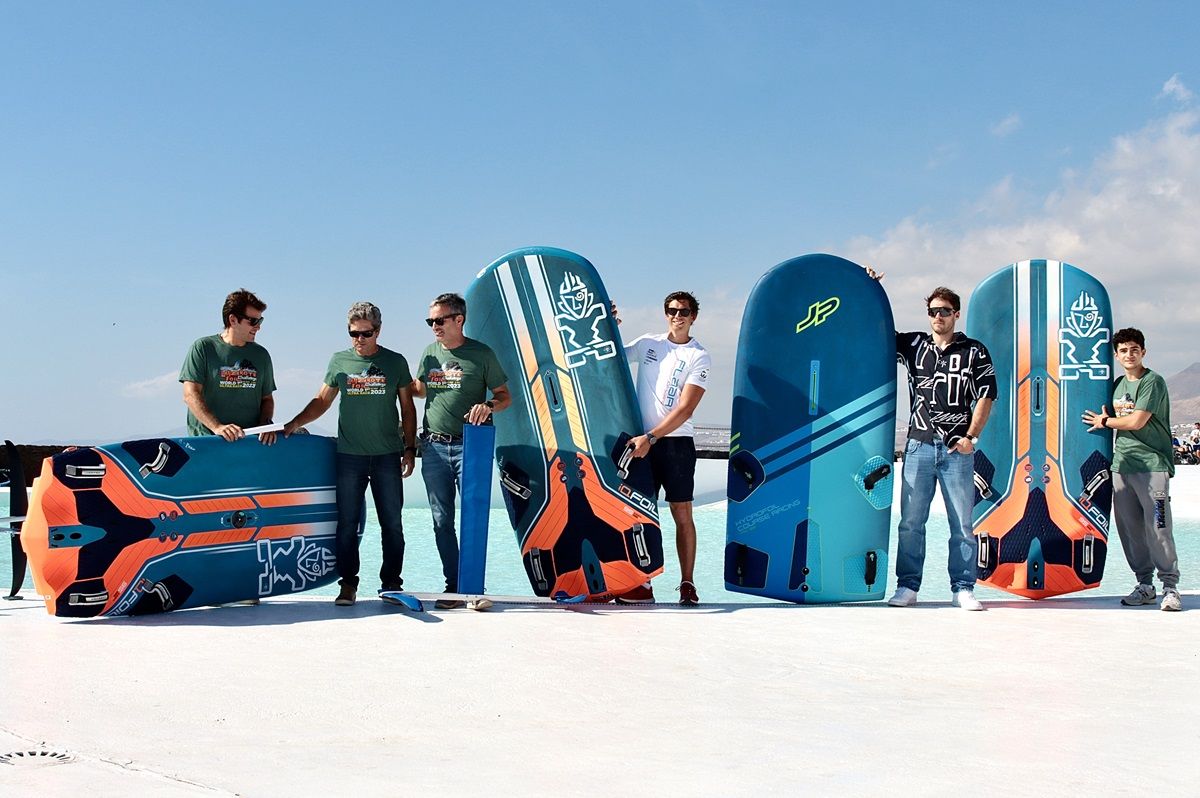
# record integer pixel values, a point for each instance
(983, 374)
(423, 366)
(634, 350)
(194, 364)
(268, 377)
(403, 372)
(494, 374)
(698, 375)
(331, 373)
(1149, 394)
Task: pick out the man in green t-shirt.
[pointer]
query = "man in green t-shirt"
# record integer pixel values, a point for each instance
(228, 380)
(1142, 468)
(376, 444)
(454, 375)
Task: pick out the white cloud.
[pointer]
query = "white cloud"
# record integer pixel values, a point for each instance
(1006, 126)
(1129, 218)
(152, 388)
(1175, 89)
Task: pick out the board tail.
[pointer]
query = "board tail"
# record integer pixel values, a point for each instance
(18, 505)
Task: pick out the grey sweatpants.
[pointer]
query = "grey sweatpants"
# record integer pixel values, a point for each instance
(1142, 506)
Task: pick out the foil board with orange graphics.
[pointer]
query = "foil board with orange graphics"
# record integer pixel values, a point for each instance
(1043, 487)
(583, 511)
(154, 525)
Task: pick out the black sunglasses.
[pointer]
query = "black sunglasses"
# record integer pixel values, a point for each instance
(685, 312)
(943, 312)
(254, 320)
(362, 333)
(440, 320)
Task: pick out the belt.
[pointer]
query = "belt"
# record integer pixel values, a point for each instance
(438, 437)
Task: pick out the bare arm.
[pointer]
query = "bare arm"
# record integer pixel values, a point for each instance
(418, 388)
(979, 417)
(266, 412)
(501, 398)
(313, 410)
(408, 423)
(692, 394)
(193, 397)
(1130, 423)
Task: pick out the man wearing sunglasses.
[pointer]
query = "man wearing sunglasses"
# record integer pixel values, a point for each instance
(376, 444)
(671, 380)
(454, 376)
(951, 387)
(228, 380)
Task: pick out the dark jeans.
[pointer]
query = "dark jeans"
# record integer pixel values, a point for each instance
(383, 472)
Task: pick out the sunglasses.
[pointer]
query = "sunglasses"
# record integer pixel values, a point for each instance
(362, 333)
(254, 320)
(685, 312)
(943, 312)
(440, 320)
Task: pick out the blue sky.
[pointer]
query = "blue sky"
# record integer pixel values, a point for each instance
(157, 155)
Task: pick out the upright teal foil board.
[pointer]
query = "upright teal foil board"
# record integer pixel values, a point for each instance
(584, 514)
(811, 444)
(1043, 489)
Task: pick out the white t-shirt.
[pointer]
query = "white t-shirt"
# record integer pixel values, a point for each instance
(664, 368)
(1195, 435)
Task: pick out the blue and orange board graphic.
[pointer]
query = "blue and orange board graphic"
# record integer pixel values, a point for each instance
(812, 438)
(584, 513)
(154, 525)
(1043, 486)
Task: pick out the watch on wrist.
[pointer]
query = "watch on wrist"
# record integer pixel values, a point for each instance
(651, 437)
(490, 404)
(410, 448)
(974, 439)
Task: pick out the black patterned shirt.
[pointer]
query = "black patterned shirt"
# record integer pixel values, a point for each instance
(944, 385)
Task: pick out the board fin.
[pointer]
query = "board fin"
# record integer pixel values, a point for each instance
(18, 506)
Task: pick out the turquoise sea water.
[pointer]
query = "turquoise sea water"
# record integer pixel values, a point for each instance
(422, 569)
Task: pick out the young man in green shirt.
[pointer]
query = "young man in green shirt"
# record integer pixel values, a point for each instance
(228, 380)
(376, 445)
(1142, 467)
(454, 375)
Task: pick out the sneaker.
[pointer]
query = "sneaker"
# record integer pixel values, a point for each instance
(480, 604)
(346, 596)
(687, 594)
(903, 597)
(642, 594)
(966, 599)
(448, 604)
(1171, 601)
(1142, 594)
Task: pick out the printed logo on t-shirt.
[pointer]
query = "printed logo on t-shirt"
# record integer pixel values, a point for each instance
(448, 378)
(370, 382)
(1123, 405)
(651, 356)
(242, 374)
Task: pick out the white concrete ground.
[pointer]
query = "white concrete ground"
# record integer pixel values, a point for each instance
(296, 697)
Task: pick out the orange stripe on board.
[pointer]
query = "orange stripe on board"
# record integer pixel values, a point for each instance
(528, 356)
(283, 531)
(548, 528)
(127, 564)
(567, 390)
(128, 497)
(217, 537)
(1063, 512)
(1005, 515)
(1052, 418)
(220, 505)
(294, 499)
(541, 407)
(1022, 420)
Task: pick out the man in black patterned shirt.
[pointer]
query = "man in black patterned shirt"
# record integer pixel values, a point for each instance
(951, 387)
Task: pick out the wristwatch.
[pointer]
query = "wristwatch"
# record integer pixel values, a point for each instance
(490, 404)
(974, 439)
(650, 437)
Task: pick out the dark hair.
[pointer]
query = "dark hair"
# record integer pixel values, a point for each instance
(1129, 335)
(456, 303)
(946, 295)
(682, 296)
(236, 304)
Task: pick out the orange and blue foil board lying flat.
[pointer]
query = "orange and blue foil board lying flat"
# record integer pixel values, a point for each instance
(585, 518)
(810, 462)
(1043, 487)
(154, 525)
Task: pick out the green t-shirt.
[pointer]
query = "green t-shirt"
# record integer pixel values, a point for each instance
(368, 417)
(1149, 448)
(235, 380)
(455, 381)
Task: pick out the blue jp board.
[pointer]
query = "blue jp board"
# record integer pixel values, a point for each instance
(583, 511)
(811, 441)
(1043, 489)
(479, 444)
(147, 526)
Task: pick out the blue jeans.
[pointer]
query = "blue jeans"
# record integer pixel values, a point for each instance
(441, 468)
(384, 473)
(925, 466)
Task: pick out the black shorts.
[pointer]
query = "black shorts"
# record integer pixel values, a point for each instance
(673, 465)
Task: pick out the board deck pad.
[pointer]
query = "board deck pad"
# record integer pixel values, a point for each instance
(585, 516)
(811, 443)
(154, 525)
(1043, 489)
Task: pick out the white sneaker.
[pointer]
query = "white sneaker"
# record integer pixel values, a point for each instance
(904, 597)
(1171, 601)
(1142, 594)
(966, 599)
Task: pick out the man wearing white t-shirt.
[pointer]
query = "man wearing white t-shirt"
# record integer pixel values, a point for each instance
(672, 374)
